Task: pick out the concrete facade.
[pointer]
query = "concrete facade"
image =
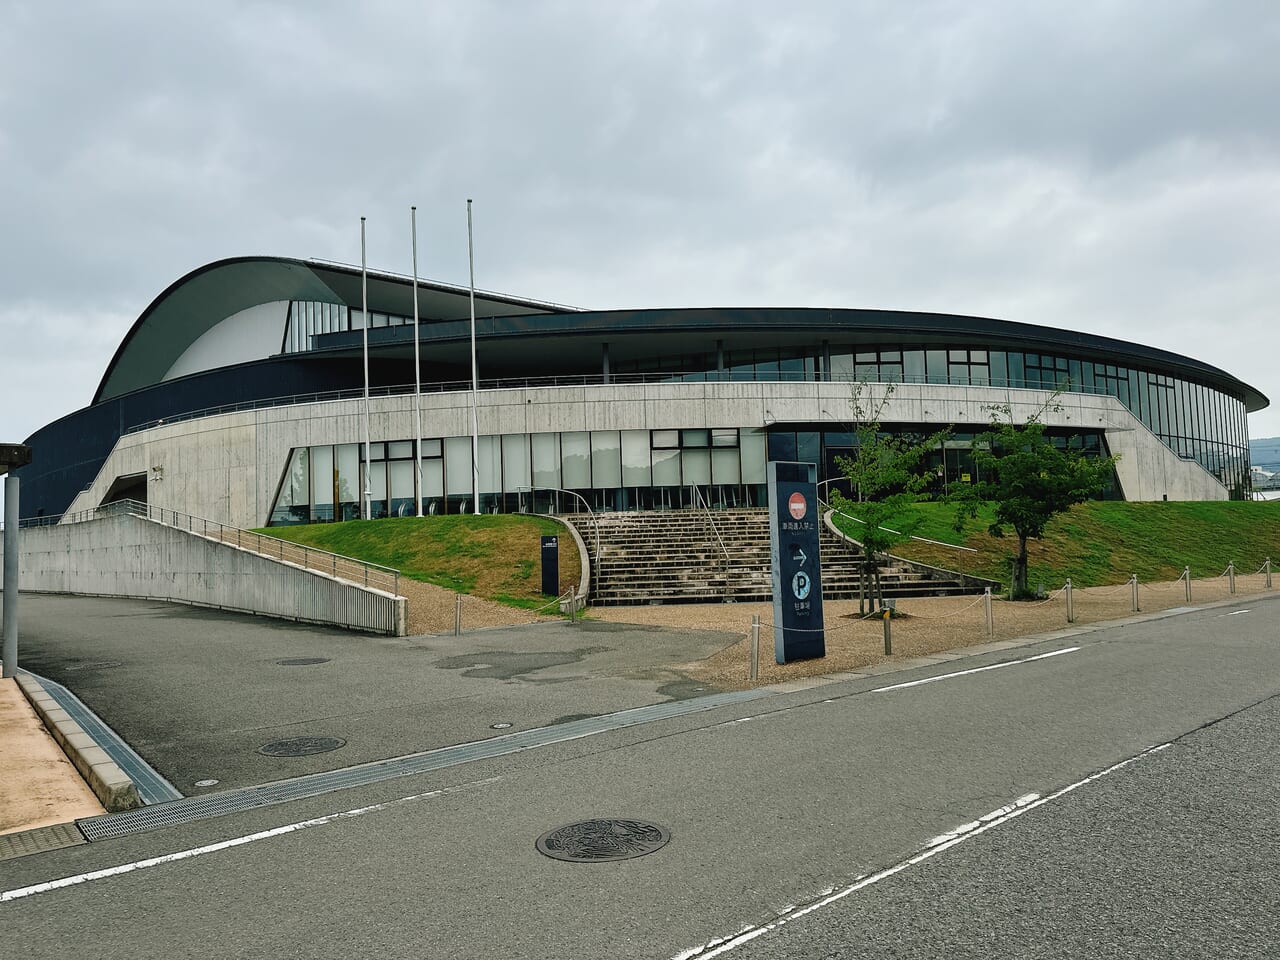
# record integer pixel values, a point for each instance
(130, 556)
(227, 467)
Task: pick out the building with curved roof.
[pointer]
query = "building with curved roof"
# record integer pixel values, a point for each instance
(238, 395)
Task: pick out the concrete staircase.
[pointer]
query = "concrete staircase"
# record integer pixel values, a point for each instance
(695, 556)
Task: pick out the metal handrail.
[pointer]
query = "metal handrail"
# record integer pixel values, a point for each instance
(595, 525)
(275, 548)
(724, 551)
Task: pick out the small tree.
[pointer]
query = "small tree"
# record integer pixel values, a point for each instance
(885, 476)
(1030, 480)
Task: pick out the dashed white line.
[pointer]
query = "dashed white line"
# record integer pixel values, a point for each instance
(946, 841)
(965, 673)
(51, 885)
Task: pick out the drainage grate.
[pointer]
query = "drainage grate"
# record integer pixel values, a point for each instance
(301, 746)
(39, 840)
(600, 841)
(302, 661)
(152, 787)
(315, 784)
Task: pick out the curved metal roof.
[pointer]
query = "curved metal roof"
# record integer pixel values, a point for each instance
(536, 335)
(195, 303)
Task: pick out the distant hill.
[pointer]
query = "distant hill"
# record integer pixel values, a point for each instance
(1265, 453)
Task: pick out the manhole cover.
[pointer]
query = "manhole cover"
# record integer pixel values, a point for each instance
(302, 661)
(301, 746)
(596, 841)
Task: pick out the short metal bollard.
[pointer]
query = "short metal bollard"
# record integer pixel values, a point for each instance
(991, 623)
(1134, 580)
(457, 615)
(755, 647)
(1071, 607)
(888, 634)
(1186, 576)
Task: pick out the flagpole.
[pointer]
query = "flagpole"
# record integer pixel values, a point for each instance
(475, 380)
(364, 325)
(417, 369)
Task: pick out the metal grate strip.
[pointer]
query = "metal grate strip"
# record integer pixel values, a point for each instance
(282, 791)
(152, 787)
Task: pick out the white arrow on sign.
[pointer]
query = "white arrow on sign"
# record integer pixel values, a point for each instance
(800, 555)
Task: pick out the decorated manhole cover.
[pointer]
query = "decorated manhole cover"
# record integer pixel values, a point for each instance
(597, 841)
(301, 746)
(302, 661)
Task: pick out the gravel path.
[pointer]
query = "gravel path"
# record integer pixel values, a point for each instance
(925, 625)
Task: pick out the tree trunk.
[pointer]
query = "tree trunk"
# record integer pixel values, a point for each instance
(1020, 569)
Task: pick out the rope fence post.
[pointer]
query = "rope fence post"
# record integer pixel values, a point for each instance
(457, 615)
(1134, 580)
(888, 635)
(1071, 607)
(1186, 578)
(755, 647)
(1267, 566)
(1231, 575)
(991, 624)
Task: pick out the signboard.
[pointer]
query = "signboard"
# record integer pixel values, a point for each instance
(794, 519)
(551, 566)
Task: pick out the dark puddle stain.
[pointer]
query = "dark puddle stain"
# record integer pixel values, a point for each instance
(513, 664)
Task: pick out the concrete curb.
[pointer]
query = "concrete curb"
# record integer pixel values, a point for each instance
(114, 790)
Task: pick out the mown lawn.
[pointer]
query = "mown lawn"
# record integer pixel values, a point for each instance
(1100, 543)
(496, 556)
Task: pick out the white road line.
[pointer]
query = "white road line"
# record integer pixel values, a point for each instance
(965, 673)
(1233, 613)
(50, 885)
(987, 822)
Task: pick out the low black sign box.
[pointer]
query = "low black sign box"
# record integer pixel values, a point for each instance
(551, 566)
(794, 519)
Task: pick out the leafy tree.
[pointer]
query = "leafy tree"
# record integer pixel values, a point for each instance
(1030, 480)
(884, 472)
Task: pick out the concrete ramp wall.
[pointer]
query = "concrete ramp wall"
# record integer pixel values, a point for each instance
(130, 556)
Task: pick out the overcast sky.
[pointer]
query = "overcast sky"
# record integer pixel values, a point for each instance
(1101, 166)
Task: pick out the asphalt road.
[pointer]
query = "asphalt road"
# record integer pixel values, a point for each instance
(771, 806)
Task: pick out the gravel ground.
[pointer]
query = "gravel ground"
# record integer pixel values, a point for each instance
(924, 626)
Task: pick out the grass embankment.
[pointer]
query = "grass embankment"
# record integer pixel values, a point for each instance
(495, 556)
(1101, 543)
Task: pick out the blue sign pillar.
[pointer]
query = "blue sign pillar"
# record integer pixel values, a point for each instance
(794, 519)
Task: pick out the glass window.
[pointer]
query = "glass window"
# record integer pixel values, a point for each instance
(457, 466)
(349, 490)
(431, 448)
(724, 437)
(696, 465)
(666, 468)
(606, 459)
(724, 465)
(515, 462)
(636, 471)
(913, 366)
(402, 479)
(322, 483)
(432, 480)
(695, 438)
(490, 449)
(545, 448)
(378, 489)
(400, 450)
(575, 459)
(664, 439)
(751, 448)
(936, 362)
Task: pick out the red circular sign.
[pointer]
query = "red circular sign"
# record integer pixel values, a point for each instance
(798, 506)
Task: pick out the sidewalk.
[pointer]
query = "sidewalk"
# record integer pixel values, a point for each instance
(38, 784)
